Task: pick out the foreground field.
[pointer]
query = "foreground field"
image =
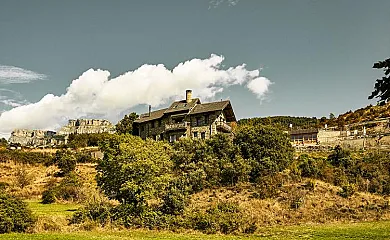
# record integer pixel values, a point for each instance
(371, 230)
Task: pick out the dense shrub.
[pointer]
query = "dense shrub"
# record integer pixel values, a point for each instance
(84, 157)
(48, 196)
(69, 188)
(224, 217)
(309, 166)
(339, 157)
(14, 215)
(268, 148)
(25, 157)
(66, 161)
(134, 171)
(86, 140)
(99, 212)
(347, 190)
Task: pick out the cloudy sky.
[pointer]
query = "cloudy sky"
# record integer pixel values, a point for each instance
(95, 58)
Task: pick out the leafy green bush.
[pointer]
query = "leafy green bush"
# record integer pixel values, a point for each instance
(134, 171)
(99, 212)
(69, 188)
(14, 215)
(268, 148)
(66, 161)
(224, 217)
(48, 196)
(84, 157)
(347, 190)
(25, 157)
(309, 167)
(339, 157)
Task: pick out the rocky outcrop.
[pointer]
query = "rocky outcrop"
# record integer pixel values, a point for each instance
(36, 138)
(81, 126)
(27, 137)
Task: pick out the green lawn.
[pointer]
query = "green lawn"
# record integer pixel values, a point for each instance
(54, 209)
(372, 230)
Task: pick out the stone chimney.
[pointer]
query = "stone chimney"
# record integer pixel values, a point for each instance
(188, 96)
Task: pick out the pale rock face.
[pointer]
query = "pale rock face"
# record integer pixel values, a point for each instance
(27, 137)
(81, 126)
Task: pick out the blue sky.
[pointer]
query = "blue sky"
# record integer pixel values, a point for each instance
(317, 54)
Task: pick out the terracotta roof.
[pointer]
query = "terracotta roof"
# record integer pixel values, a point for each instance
(153, 115)
(209, 107)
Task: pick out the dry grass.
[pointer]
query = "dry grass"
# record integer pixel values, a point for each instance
(321, 205)
(40, 176)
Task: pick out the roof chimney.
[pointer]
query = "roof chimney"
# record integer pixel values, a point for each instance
(188, 96)
(150, 109)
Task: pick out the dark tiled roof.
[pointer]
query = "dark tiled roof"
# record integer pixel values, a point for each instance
(182, 105)
(303, 131)
(209, 107)
(153, 115)
(193, 107)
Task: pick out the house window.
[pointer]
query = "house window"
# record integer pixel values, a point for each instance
(142, 128)
(195, 134)
(203, 135)
(172, 138)
(206, 119)
(161, 136)
(198, 121)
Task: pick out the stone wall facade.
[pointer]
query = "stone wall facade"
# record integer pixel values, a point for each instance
(198, 126)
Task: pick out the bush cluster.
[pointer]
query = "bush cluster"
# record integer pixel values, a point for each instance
(25, 157)
(14, 215)
(362, 172)
(153, 180)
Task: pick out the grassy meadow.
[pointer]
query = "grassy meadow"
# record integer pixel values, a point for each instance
(368, 230)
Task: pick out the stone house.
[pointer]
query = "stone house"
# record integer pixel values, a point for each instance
(186, 118)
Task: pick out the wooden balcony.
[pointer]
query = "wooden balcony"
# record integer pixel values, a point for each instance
(223, 127)
(176, 126)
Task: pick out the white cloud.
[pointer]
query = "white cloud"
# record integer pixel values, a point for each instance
(11, 98)
(95, 94)
(11, 74)
(216, 3)
(259, 86)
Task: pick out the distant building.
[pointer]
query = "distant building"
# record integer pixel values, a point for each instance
(315, 136)
(186, 118)
(304, 136)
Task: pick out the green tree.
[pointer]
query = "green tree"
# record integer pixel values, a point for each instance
(3, 142)
(134, 171)
(268, 148)
(126, 124)
(65, 161)
(382, 86)
(14, 215)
